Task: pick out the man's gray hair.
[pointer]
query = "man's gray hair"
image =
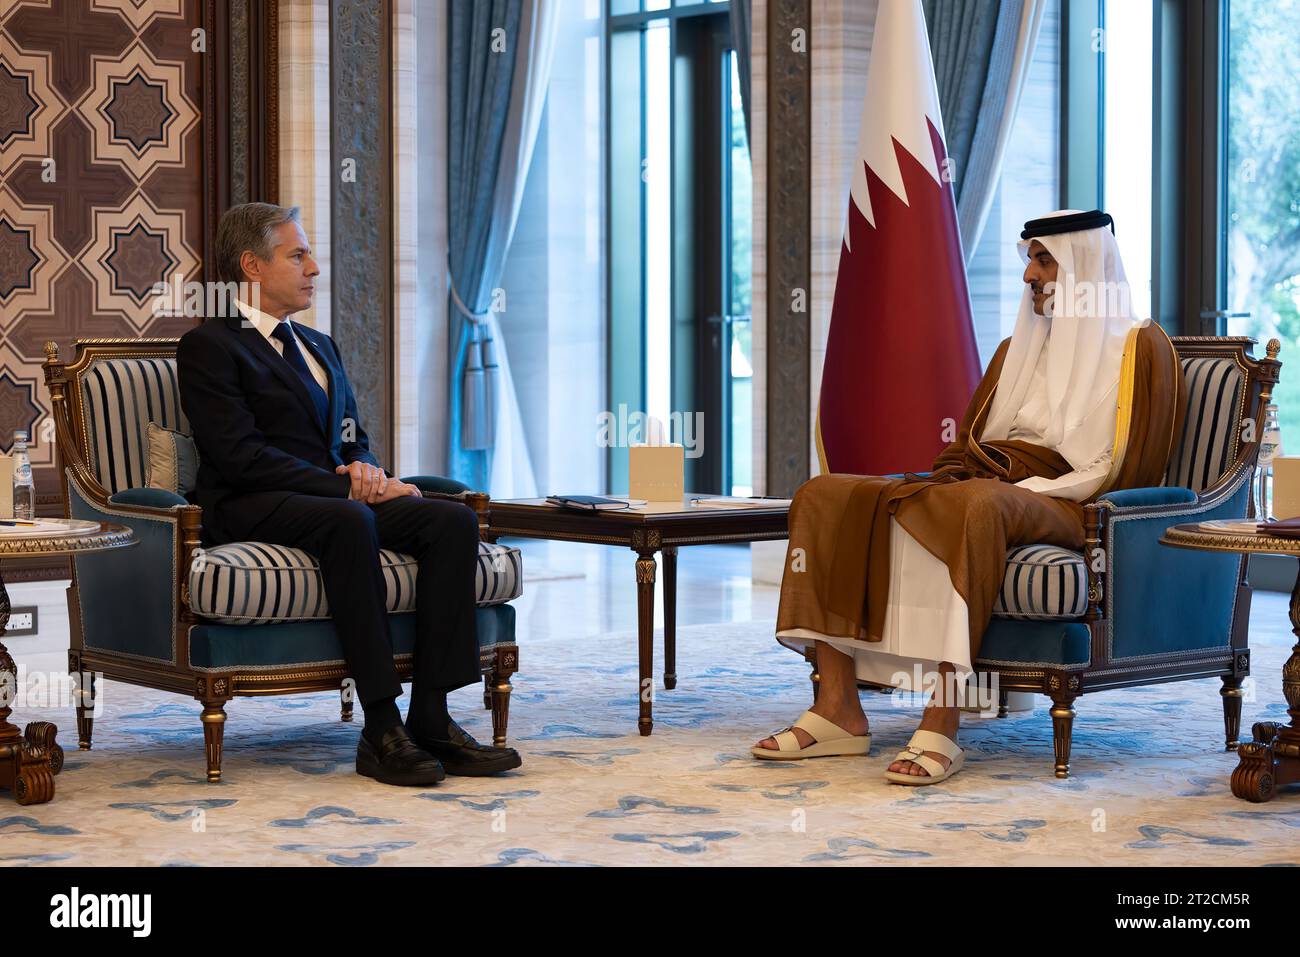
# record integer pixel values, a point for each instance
(250, 226)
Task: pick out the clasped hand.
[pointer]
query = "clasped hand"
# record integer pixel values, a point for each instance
(372, 486)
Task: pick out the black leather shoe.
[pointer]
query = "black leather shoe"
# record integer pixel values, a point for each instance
(398, 760)
(461, 754)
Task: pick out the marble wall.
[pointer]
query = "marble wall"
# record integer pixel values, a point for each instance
(405, 236)
(305, 135)
(421, 332)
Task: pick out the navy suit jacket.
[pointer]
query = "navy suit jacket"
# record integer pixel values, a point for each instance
(258, 435)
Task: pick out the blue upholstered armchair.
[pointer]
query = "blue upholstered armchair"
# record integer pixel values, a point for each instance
(238, 619)
(1128, 611)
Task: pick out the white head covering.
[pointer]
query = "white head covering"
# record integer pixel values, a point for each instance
(1087, 324)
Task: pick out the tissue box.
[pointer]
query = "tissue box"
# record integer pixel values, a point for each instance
(6, 486)
(1286, 487)
(655, 472)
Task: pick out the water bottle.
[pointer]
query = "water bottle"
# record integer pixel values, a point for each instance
(24, 492)
(1270, 447)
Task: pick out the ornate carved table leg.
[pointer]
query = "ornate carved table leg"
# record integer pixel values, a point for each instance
(670, 617)
(1272, 759)
(645, 608)
(28, 762)
(39, 736)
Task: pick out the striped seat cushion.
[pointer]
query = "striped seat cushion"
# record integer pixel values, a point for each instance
(1043, 582)
(253, 583)
(1211, 427)
(120, 398)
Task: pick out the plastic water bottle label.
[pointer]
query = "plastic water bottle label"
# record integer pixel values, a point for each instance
(1270, 447)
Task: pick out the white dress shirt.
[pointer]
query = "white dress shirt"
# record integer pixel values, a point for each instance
(266, 325)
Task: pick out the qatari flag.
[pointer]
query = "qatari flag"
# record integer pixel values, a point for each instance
(901, 356)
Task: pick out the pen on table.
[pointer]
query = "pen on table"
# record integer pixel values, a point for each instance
(738, 499)
(14, 521)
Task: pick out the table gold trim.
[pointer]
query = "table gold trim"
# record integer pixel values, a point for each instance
(108, 535)
(1188, 536)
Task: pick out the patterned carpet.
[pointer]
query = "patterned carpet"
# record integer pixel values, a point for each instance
(1149, 782)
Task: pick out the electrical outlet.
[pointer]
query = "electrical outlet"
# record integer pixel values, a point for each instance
(22, 621)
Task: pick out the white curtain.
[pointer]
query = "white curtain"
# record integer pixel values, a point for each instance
(512, 467)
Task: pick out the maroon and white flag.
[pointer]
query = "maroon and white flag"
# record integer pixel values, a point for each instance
(901, 361)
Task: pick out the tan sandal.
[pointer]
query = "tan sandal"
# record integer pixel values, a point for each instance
(921, 742)
(829, 740)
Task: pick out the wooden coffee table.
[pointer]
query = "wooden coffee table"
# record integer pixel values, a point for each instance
(1272, 758)
(646, 530)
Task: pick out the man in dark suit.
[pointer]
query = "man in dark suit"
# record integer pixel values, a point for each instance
(283, 459)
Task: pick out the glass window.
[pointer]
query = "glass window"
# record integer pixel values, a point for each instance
(1030, 185)
(679, 238)
(1129, 52)
(657, 176)
(1261, 234)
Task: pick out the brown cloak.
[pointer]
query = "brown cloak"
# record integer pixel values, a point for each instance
(967, 512)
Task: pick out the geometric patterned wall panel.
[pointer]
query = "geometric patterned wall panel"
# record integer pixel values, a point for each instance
(102, 186)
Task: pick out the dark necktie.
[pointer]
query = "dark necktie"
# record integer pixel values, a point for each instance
(293, 356)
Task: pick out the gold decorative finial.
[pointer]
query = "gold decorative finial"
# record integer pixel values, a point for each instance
(1273, 348)
(51, 351)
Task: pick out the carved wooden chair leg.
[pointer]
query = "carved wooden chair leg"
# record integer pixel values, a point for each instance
(85, 708)
(501, 688)
(1231, 692)
(1062, 729)
(810, 656)
(346, 695)
(1002, 704)
(214, 726)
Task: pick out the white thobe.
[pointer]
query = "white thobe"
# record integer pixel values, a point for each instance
(926, 619)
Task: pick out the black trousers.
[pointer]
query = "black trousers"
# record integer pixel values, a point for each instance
(344, 536)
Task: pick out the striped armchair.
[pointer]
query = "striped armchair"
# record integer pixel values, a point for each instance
(1129, 611)
(1135, 612)
(247, 618)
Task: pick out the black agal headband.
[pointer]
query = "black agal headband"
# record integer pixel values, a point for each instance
(1072, 223)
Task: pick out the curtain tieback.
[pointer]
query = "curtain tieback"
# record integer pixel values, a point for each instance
(474, 317)
(478, 380)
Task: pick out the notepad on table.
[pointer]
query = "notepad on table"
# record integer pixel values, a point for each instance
(1230, 526)
(589, 503)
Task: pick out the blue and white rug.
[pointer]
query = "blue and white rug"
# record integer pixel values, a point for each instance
(1149, 781)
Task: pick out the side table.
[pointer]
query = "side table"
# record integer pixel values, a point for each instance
(1272, 758)
(29, 759)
